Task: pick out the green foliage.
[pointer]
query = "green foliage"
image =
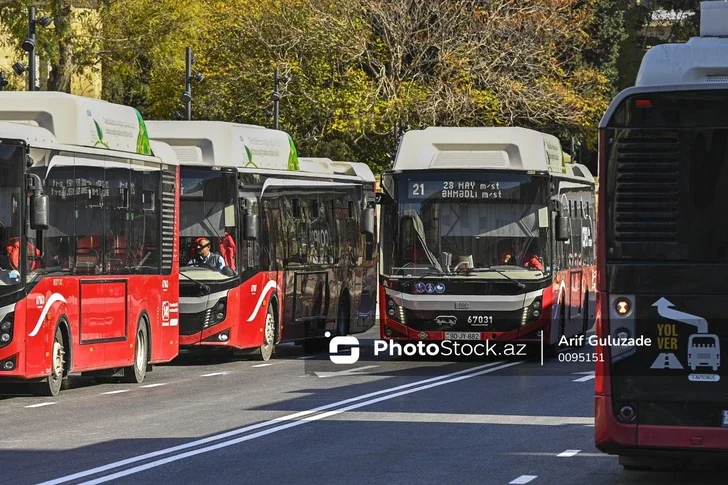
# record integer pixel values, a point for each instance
(356, 67)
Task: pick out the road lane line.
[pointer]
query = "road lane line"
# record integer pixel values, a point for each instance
(451, 418)
(148, 386)
(583, 379)
(40, 405)
(523, 479)
(226, 444)
(212, 374)
(568, 453)
(114, 392)
(235, 432)
(306, 357)
(261, 365)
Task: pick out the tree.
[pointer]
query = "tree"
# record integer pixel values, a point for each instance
(68, 45)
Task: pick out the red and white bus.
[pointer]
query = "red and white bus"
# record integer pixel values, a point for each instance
(293, 239)
(486, 235)
(88, 222)
(662, 250)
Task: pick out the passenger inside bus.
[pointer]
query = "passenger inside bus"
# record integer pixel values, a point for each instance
(205, 257)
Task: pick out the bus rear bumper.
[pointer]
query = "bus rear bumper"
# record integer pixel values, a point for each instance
(616, 438)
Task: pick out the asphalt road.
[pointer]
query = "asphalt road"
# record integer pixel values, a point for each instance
(300, 419)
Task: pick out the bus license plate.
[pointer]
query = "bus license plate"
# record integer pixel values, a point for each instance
(462, 336)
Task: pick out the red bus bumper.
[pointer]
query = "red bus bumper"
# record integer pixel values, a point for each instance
(617, 438)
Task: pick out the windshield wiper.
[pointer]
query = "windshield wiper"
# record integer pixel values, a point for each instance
(433, 273)
(204, 289)
(487, 268)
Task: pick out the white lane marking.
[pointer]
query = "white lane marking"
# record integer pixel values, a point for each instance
(114, 392)
(148, 386)
(583, 379)
(501, 419)
(305, 357)
(212, 374)
(54, 298)
(590, 455)
(269, 286)
(235, 432)
(40, 405)
(261, 365)
(568, 453)
(242, 439)
(587, 373)
(356, 371)
(523, 479)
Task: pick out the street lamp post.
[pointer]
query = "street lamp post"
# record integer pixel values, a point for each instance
(31, 52)
(187, 95)
(188, 83)
(28, 46)
(276, 98)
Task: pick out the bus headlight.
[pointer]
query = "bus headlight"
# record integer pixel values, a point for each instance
(532, 312)
(218, 312)
(6, 330)
(394, 311)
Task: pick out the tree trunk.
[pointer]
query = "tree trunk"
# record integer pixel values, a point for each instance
(63, 68)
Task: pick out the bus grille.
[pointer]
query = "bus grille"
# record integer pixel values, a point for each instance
(169, 182)
(647, 188)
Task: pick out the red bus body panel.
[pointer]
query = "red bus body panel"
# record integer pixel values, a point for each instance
(102, 313)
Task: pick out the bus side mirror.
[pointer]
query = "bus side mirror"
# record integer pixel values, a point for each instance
(39, 212)
(562, 230)
(367, 221)
(251, 227)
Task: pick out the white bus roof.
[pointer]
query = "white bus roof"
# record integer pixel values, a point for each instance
(221, 144)
(480, 148)
(49, 117)
(328, 166)
(702, 59)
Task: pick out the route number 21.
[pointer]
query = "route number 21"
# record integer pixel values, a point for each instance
(418, 189)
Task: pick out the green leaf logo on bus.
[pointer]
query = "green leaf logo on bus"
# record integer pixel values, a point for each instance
(143, 145)
(293, 157)
(250, 157)
(100, 135)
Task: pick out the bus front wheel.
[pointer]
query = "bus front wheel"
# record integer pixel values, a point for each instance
(135, 373)
(265, 351)
(51, 385)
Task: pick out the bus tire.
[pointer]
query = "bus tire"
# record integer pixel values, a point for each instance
(552, 350)
(266, 350)
(344, 321)
(51, 385)
(135, 373)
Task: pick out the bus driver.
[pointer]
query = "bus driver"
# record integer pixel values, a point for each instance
(205, 257)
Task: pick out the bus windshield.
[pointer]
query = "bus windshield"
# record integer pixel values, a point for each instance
(472, 221)
(208, 228)
(11, 166)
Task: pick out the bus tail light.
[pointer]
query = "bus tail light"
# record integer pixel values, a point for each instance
(621, 324)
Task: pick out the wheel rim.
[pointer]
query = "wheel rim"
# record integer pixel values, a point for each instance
(140, 351)
(269, 331)
(57, 360)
